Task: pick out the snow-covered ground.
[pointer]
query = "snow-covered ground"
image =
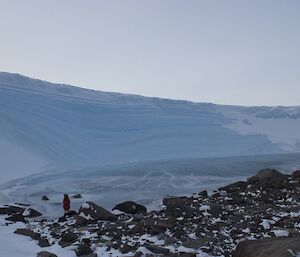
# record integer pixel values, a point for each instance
(22, 246)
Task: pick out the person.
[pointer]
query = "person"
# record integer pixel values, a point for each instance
(66, 203)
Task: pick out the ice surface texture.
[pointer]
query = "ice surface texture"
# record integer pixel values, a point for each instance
(69, 127)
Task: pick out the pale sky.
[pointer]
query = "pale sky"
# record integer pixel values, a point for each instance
(228, 52)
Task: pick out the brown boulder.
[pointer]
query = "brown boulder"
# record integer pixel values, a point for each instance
(67, 239)
(31, 213)
(80, 221)
(278, 247)
(9, 210)
(267, 175)
(45, 254)
(77, 196)
(27, 232)
(44, 242)
(177, 201)
(178, 206)
(83, 250)
(296, 175)
(17, 217)
(234, 187)
(92, 211)
(130, 207)
(158, 249)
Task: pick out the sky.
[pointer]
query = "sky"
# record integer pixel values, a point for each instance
(227, 52)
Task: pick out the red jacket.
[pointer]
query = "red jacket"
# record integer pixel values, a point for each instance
(67, 203)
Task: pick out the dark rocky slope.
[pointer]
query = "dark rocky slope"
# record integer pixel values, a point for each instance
(259, 217)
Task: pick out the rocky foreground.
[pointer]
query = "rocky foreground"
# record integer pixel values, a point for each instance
(256, 218)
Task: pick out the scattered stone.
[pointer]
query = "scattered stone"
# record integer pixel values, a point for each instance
(215, 209)
(182, 254)
(83, 250)
(86, 241)
(45, 198)
(67, 239)
(176, 201)
(62, 219)
(27, 232)
(17, 217)
(31, 213)
(130, 207)
(71, 213)
(90, 255)
(137, 228)
(157, 249)
(92, 211)
(203, 193)
(234, 187)
(80, 221)
(296, 175)
(196, 243)
(265, 206)
(43, 242)
(45, 254)
(125, 248)
(178, 206)
(77, 196)
(9, 210)
(138, 254)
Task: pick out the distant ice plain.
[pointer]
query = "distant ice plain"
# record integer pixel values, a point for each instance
(146, 183)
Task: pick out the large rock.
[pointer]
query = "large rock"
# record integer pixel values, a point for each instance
(215, 209)
(296, 175)
(71, 213)
(158, 249)
(44, 242)
(31, 213)
(177, 201)
(92, 211)
(178, 206)
(126, 248)
(83, 250)
(17, 217)
(45, 254)
(130, 207)
(27, 232)
(203, 193)
(195, 243)
(77, 196)
(45, 198)
(80, 221)
(283, 247)
(160, 226)
(234, 187)
(9, 210)
(138, 228)
(267, 175)
(67, 239)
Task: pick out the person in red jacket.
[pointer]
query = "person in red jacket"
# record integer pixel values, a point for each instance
(66, 203)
